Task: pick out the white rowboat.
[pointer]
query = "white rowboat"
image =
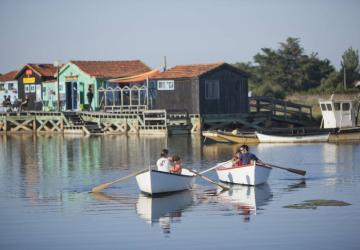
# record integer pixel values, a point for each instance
(252, 174)
(323, 137)
(156, 182)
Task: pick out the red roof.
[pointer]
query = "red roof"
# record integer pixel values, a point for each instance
(9, 76)
(136, 78)
(187, 71)
(112, 69)
(45, 70)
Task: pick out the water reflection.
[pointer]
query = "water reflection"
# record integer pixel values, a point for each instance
(246, 200)
(165, 209)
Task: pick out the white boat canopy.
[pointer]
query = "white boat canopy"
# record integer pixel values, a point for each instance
(337, 113)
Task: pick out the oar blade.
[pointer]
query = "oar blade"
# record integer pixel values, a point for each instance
(100, 187)
(297, 171)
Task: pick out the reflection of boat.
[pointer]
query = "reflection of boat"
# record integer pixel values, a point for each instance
(163, 209)
(293, 138)
(247, 199)
(213, 136)
(252, 174)
(155, 182)
(240, 137)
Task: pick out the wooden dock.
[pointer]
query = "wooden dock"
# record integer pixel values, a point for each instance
(264, 112)
(127, 122)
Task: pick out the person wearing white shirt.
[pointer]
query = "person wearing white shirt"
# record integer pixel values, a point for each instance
(163, 163)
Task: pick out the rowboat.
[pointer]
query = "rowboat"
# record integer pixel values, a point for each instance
(293, 138)
(252, 174)
(239, 137)
(246, 199)
(213, 136)
(155, 182)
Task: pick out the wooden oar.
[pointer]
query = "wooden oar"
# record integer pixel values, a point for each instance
(209, 180)
(108, 184)
(212, 168)
(292, 170)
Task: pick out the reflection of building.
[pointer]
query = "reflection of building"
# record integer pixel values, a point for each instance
(164, 209)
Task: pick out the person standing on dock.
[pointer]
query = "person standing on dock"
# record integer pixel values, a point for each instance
(90, 96)
(24, 104)
(163, 163)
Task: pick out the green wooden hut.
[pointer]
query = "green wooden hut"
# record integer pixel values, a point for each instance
(75, 77)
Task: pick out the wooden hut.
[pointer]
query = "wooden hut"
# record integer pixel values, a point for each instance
(30, 79)
(8, 87)
(76, 76)
(202, 89)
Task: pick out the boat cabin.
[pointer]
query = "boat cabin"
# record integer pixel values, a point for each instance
(337, 113)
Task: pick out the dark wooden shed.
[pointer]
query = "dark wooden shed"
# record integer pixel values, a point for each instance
(30, 79)
(202, 89)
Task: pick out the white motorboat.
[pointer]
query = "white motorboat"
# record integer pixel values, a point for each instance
(295, 138)
(156, 182)
(252, 174)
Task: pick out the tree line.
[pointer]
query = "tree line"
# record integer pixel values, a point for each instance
(289, 70)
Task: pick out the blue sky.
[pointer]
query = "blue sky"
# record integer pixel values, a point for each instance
(186, 31)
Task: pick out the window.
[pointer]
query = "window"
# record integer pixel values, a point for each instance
(212, 89)
(337, 106)
(346, 106)
(323, 107)
(166, 85)
(2, 88)
(32, 88)
(329, 106)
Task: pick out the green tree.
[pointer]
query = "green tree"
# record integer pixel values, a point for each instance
(350, 67)
(286, 70)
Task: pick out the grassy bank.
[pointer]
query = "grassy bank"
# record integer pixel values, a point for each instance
(313, 100)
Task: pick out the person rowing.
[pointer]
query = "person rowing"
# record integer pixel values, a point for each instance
(246, 157)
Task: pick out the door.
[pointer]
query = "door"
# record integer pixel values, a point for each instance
(71, 96)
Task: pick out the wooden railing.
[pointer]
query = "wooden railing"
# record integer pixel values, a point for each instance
(280, 108)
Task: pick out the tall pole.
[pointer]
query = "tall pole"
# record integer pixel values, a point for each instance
(344, 78)
(58, 90)
(147, 92)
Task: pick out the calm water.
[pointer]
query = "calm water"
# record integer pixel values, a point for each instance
(45, 204)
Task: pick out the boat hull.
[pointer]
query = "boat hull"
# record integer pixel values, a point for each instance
(252, 175)
(249, 138)
(156, 182)
(214, 136)
(292, 138)
(345, 135)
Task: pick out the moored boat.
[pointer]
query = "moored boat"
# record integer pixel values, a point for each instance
(341, 117)
(155, 182)
(213, 136)
(293, 138)
(252, 174)
(239, 137)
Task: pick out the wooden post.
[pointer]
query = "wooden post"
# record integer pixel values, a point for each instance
(34, 124)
